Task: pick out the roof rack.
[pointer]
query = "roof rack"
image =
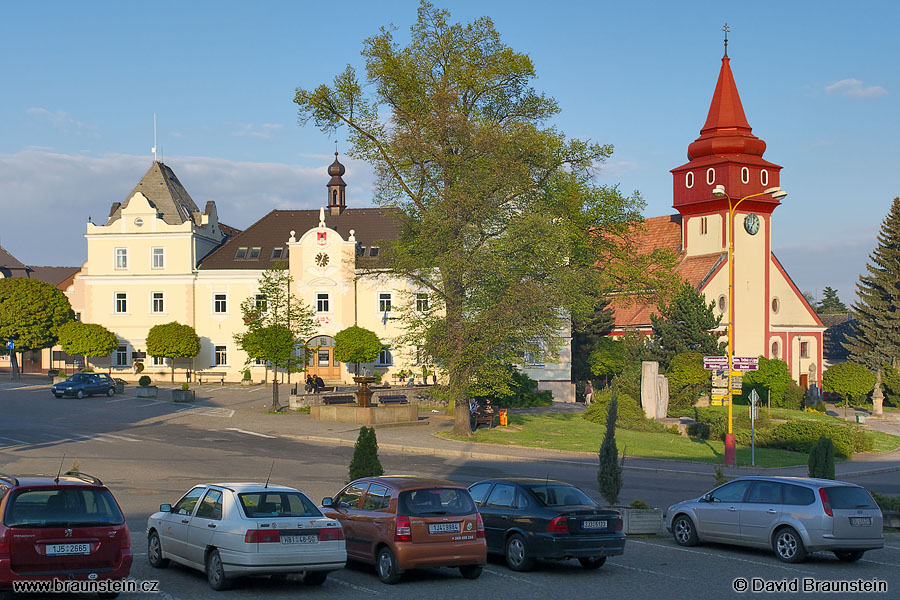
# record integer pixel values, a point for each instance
(9, 478)
(83, 477)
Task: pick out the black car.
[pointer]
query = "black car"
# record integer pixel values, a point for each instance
(85, 384)
(530, 519)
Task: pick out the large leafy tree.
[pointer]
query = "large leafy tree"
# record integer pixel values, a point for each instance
(31, 311)
(86, 339)
(851, 380)
(276, 322)
(357, 345)
(501, 223)
(772, 375)
(686, 324)
(173, 341)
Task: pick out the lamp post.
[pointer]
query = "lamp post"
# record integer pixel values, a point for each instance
(719, 192)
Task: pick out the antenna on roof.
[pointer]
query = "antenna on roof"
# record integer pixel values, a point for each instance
(153, 149)
(60, 467)
(269, 475)
(726, 30)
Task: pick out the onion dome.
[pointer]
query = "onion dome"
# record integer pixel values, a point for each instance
(336, 169)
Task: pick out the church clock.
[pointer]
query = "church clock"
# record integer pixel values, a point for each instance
(751, 223)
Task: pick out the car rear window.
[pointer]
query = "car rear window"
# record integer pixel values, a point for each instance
(849, 497)
(62, 507)
(277, 504)
(436, 501)
(561, 495)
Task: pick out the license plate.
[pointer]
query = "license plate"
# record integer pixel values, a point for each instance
(61, 549)
(593, 524)
(860, 521)
(443, 528)
(299, 539)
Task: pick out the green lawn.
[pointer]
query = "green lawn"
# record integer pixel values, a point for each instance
(570, 432)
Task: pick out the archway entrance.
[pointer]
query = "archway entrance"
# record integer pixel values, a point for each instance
(320, 358)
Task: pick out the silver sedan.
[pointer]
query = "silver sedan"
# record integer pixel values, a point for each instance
(229, 530)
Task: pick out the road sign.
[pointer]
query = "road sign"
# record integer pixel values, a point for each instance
(746, 363)
(736, 382)
(718, 379)
(10, 345)
(715, 363)
(754, 397)
(719, 391)
(754, 412)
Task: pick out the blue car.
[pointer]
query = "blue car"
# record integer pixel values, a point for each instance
(85, 384)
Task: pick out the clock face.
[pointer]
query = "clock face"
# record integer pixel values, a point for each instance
(321, 259)
(751, 223)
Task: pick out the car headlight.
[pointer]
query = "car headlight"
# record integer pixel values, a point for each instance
(68, 389)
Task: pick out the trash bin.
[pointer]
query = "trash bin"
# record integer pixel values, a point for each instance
(503, 420)
(861, 418)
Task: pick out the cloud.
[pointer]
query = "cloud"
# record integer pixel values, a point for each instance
(62, 121)
(616, 169)
(854, 89)
(264, 131)
(48, 196)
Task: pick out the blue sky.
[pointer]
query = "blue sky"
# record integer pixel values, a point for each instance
(81, 82)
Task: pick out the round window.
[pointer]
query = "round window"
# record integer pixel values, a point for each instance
(710, 176)
(689, 180)
(775, 349)
(776, 305)
(764, 177)
(723, 303)
(745, 175)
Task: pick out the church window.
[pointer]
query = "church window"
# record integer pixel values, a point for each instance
(764, 177)
(689, 180)
(804, 349)
(745, 175)
(241, 254)
(775, 349)
(723, 303)
(704, 226)
(776, 305)
(334, 199)
(710, 176)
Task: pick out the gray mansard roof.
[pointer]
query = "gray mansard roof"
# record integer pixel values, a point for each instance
(161, 187)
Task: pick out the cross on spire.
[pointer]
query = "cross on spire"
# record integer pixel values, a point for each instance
(726, 30)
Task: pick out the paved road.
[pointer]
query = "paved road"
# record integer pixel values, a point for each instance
(149, 452)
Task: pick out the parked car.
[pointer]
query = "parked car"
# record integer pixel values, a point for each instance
(230, 530)
(65, 527)
(85, 384)
(530, 519)
(399, 523)
(790, 515)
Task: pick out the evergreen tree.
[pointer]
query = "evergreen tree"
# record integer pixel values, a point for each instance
(365, 461)
(830, 303)
(875, 340)
(588, 332)
(686, 324)
(821, 459)
(609, 472)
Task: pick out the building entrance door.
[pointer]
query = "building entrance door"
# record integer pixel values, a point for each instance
(320, 358)
(804, 381)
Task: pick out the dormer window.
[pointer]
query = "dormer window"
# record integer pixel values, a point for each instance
(276, 253)
(360, 249)
(254, 253)
(241, 254)
(373, 251)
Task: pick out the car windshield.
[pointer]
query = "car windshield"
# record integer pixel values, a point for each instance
(560, 495)
(62, 507)
(849, 497)
(436, 501)
(77, 378)
(277, 504)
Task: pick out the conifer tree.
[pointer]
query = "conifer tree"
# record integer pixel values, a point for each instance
(830, 303)
(686, 324)
(365, 461)
(609, 473)
(821, 459)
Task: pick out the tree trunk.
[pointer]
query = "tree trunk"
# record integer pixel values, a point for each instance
(275, 404)
(173, 369)
(13, 365)
(458, 381)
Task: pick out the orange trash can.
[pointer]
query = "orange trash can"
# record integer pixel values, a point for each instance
(503, 419)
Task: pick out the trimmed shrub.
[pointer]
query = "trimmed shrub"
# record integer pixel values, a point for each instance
(144, 381)
(887, 502)
(365, 461)
(821, 459)
(630, 415)
(793, 396)
(185, 387)
(639, 504)
(801, 436)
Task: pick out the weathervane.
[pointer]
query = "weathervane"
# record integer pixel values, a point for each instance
(726, 30)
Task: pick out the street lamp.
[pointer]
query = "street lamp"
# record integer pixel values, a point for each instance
(719, 192)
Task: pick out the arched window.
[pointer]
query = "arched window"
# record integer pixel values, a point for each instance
(775, 349)
(334, 197)
(689, 180)
(764, 177)
(776, 305)
(723, 303)
(745, 175)
(710, 176)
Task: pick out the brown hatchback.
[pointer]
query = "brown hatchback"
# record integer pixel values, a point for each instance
(399, 523)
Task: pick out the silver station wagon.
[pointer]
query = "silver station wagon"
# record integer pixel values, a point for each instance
(230, 530)
(791, 515)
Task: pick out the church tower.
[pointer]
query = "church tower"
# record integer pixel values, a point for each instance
(336, 187)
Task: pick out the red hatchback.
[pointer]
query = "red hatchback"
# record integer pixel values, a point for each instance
(66, 527)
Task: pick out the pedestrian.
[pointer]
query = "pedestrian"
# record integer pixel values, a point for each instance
(320, 384)
(310, 384)
(588, 393)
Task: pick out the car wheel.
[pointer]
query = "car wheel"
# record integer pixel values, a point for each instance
(79, 394)
(849, 555)
(592, 562)
(471, 571)
(215, 573)
(111, 392)
(154, 552)
(515, 554)
(684, 532)
(315, 577)
(386, 566)
(788, 546)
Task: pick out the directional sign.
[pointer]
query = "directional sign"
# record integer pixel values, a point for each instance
(718, 379)
(715, 363)
(746, 363)
(10, 345)
(721, 392)
(736, 382)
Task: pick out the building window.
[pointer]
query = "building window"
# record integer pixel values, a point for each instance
(241, 253)
(689, 179)
(158, 258)
(804, 349)
(385, 359)
(745, 175)
(77, 316)
(121, 302)
(260, 362)
(158, 302)
(121, 258)
(373, 251)
(276, 253)
(764, 177)
(253, 254)
(158, 361)
(704, 226)
(384, 302)
(723, 303)
(534, 357)
(422, 303)
(221, 356)
(775, 349)
(360, 249)
(122, 356)
(710, 176)
(262, 304)
(220, 304)
(322, 303)
(420, 355)
(776, 305)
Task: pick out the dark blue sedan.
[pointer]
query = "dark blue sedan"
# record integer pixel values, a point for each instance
(530, 519)
(80, 385)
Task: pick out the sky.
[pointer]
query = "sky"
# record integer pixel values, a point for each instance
(81, 82)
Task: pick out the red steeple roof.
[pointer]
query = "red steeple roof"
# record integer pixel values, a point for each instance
(726, 130)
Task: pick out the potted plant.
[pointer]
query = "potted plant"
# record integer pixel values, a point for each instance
(639, 517)
(144, 389)
(245, 378)
(120, 385)
(185, 394)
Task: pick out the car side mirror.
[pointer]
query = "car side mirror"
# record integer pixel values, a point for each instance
(327, 502)
(706, 498)
(165, 508)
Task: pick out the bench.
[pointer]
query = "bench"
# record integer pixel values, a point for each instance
(391, 399)
(483, 418)
(324, 390)
(210, 375)
(340, 399)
